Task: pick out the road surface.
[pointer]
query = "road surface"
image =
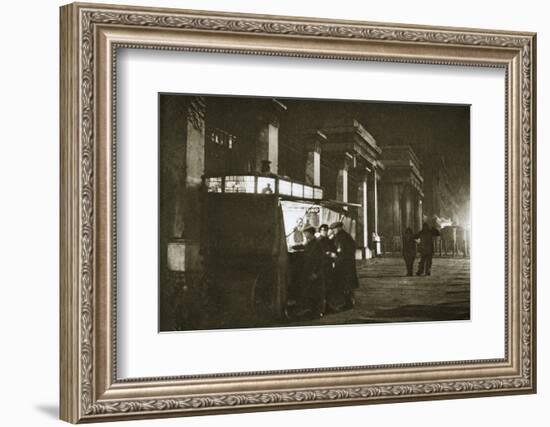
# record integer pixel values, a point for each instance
(386, 294)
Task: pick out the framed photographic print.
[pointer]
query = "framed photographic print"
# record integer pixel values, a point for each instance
(265, 212)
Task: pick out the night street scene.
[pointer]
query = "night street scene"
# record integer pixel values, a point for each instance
(278, 212)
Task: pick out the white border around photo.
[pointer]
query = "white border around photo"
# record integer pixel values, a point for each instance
(143, 352)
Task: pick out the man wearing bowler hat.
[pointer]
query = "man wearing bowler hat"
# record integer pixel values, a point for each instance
(345, 268)
(313, 275)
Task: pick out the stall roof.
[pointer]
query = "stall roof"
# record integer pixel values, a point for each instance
(333, 204)
(336, 203)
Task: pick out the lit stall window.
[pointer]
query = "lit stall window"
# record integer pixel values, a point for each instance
(239, 184)
(266, 185)
(308, 192)
(285, 187)
(318, 193)
(214, 185)
(297, 190)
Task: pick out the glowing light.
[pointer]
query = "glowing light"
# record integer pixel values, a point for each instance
(239, 184)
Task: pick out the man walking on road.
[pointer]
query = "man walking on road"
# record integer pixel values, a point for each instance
(345, 268)
(313, 275)
(409, 250)
(334, 300)
(426, 248)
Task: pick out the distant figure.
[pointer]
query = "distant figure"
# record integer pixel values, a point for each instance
(345, 269)
(333, 302)
(426, 248)
(267, 189)
(409, 250)
(313, 275)
(449, 239)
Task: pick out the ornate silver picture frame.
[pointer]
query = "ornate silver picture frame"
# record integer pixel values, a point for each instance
(91, 36)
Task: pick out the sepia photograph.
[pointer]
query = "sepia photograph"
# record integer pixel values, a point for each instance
(261, 212)
(300, 212)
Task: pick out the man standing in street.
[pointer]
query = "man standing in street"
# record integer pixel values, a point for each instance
(333, 301)
(345, 268)
(409, 250)
(426, 248)
(313, 277)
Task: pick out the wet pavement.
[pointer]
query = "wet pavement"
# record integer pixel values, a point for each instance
(386, 294)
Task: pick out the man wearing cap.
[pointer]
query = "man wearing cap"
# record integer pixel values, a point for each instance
(313, 277)
(345, 268)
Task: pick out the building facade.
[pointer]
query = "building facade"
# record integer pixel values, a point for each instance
(378, 189)
(402, 194)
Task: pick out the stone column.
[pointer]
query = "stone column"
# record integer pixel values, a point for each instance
(183, 246)
(342, 179)
(408, 208)
(375, 201)
(313, 145)
(267, 143)
(396, 210)
(363, 215)
(182, 145)
(420, 213)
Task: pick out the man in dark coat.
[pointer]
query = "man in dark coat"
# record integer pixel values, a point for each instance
(333, 302)
(426, 248)
(345, 268)
(409, 250)
(313, 275)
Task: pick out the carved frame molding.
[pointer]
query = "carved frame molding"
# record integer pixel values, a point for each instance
(90, 36)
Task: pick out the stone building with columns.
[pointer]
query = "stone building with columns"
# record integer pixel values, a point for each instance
(201, 136)
(351, 171)
(401, 194)
(377, 189)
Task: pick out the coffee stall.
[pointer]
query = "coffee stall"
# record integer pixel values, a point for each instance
(253, 243)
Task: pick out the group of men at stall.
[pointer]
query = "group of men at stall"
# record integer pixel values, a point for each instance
(329, 274)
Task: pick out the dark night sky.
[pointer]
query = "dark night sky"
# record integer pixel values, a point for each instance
(431, 129)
